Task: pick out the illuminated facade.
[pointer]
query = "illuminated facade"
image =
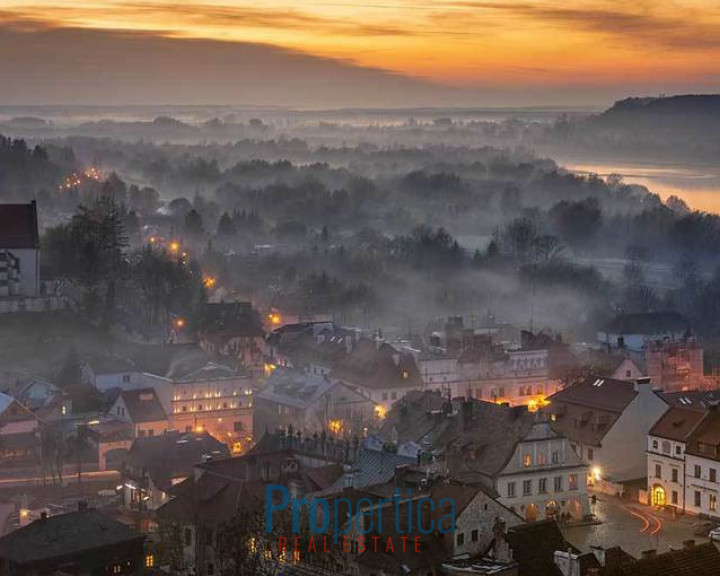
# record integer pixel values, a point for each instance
(217, 400)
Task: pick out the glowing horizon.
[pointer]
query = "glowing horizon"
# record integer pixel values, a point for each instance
(501, 43)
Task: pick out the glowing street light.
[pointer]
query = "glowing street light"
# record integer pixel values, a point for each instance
(174, 247)
(179, 322)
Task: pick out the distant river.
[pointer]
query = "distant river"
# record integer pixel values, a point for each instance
(699, 186)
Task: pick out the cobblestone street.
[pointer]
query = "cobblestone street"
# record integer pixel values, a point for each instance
(634, 527)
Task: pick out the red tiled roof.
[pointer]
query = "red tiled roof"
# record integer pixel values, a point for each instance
(143, 405)
(598, 393)
(677, 423)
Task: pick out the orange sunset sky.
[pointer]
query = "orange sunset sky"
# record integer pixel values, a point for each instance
(587, 51)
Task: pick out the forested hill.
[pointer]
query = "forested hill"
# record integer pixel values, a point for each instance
(685, 112)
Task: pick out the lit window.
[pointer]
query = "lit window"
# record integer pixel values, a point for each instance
(149, 561)
(527, 460)
(573, 481)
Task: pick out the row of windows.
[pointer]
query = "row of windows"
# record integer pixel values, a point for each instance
(667, 448)
(712, 501)
(541, 459)
(207, 407)
(697, 473)
(542, 488)
(673, 473)
(225, 393)
(712, 473)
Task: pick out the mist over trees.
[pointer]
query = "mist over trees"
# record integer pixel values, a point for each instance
(391, 227)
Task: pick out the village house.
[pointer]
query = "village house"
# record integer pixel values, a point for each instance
(676, 365)
(439, 370)
(478, 517)
(379, 372)
(156, 463)
(220, 490)
(41, 397)
(314, 347)
(530, 468)
(607, 422)
(667, 442)
(702, 466)
(143, 409)
(106, 373)
(19, 250)
(21, 289)
(698, 560)
(217, 399)
(19, 432)
(233, 330)
(312, 403)
(86, 542)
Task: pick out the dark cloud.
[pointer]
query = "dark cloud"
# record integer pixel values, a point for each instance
(83, 66)
(640, 24)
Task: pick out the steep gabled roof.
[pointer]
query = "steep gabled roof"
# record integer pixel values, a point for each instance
(19, 226)
(143, 405)
(701, 400)
(378, 367)
(677, 424)
(598, 393)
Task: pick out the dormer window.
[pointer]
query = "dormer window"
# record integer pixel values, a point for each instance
(527, 460)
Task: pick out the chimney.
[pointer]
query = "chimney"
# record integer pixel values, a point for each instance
(688, 544)
(642, 384)
(647, 554)
(82, 506)
(43, 517)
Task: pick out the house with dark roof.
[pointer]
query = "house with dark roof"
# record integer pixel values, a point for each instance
(313, 347)
(667, 441)
(155, 464)
(19, 250)
(234, 330)
(477, 517)
(219, 490)
(311, 403)
(530, 549)
(530, 467)
(691, 560)
(86, 542)
(607, 422)
(19, 429)
(702, 466)
(143, 409)
(631, 332)
(379, 372)
(700, 400)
